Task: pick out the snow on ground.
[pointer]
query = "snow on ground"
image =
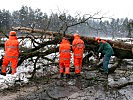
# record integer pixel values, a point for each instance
(9, 80)
(22, 71)
(25, 68)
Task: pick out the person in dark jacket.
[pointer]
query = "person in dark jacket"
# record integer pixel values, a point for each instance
(106, 49)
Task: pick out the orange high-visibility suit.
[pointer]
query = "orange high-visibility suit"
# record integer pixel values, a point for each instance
(11, 52)
(78, 50)
(64, 57)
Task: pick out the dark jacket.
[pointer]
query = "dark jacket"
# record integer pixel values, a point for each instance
(105, 48)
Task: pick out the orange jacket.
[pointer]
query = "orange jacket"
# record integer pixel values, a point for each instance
(78, 47)
(64, 50)
(12, 46)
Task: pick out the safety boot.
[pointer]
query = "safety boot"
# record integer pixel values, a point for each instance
(4, 74)
(101, 70)
(78, 75)
(61, 75)
(105, 74)
(67, 75)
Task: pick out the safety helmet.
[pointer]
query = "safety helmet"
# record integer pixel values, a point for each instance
(97, 38)
(63, 38)
(12, 33)
(76, 34)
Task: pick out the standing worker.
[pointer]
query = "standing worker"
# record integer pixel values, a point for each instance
(106, 49)
(11, 53)
(78, 50)
(64, 58)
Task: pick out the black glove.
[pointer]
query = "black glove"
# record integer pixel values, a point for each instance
(97, 56)
(101, 56)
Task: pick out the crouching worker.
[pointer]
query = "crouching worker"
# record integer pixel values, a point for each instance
(107, 51)
(64, 58)
(11, 53)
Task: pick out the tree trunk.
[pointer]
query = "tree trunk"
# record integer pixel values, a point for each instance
(121, 50)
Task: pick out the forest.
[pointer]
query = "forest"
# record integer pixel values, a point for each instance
(87, 25)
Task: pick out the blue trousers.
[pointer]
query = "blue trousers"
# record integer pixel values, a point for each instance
(106, 62)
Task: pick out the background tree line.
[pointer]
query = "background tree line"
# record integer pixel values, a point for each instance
(62, 22)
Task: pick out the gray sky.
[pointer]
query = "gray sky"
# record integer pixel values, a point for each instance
(107, 8)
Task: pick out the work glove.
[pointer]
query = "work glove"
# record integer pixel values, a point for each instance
(101, 56)
(97, 56)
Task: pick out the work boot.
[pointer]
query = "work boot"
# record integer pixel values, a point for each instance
(67, 75)
(4, 74)
(101, 70)
(78, 75)
(61, 75)
(105, 74)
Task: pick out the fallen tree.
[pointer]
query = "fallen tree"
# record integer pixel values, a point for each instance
(122, 50)
(40, 50)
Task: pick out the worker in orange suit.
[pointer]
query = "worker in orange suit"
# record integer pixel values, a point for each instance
(78, 50)
(64, 58)
(11, 53)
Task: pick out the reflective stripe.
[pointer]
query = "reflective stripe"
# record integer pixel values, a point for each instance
(78, 45)
(15, 47)
(13, 69)
(77, 54)
(4, 68)
(67, 68)
(64, 50)
(65, 58)
(11, 56)
(77, 68)
(61, 69)
(81, 45)
(74, 45)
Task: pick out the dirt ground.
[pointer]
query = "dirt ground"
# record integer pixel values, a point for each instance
(84, 87)
(91, 85)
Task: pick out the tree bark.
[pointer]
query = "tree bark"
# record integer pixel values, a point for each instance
(121, 50)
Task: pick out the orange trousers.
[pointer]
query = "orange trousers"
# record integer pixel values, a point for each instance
(64, 66)
(6, 61)
(78, 65)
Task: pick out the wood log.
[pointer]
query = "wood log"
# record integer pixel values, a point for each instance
(121, 50)
(122, 85)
